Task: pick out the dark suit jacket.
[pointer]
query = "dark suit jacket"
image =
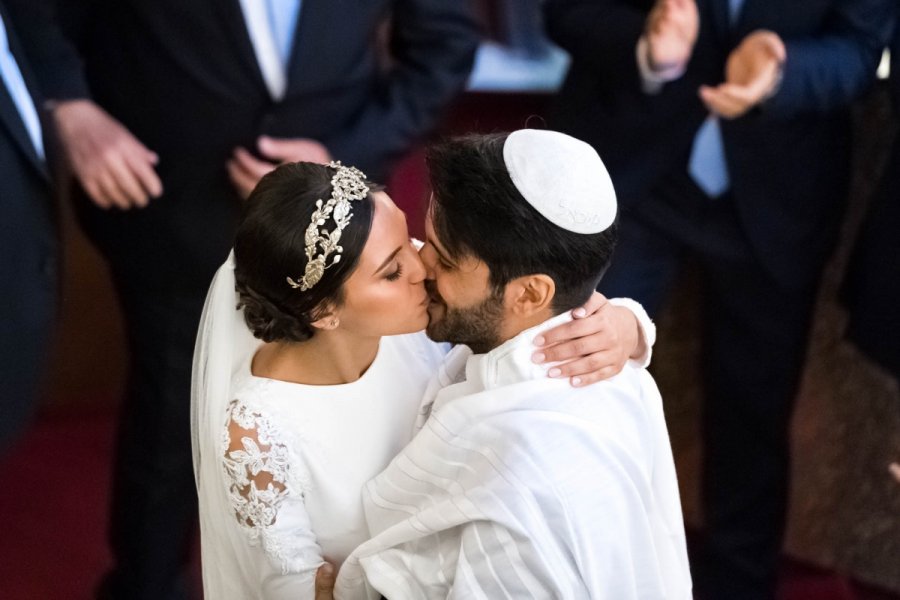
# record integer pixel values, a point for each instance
(27, 233)
(28, 254)
(182, 76)
(788, 160)
(872, 289)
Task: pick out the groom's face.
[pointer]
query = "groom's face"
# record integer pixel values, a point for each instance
(463, 307)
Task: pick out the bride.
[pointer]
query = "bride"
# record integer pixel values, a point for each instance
(308, 373)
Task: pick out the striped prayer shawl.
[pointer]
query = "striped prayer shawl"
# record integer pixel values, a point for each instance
(528, 488)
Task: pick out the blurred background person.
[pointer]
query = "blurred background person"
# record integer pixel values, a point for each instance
(169, 112)
(725, 125)
(871, 290)
(28, 259)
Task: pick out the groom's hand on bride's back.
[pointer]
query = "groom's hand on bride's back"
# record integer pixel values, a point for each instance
(325, 578)
(595, 345)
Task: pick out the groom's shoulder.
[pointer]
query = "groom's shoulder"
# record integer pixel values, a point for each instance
(560, 402)
(608, 417)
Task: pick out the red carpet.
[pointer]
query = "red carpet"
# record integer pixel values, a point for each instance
(54, 502)
(55, 488)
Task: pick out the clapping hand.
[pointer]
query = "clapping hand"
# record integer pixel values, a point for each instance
(751, 76)
(671, 32)
(245, 170)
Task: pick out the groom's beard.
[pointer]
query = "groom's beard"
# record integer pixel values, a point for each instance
(477, 326)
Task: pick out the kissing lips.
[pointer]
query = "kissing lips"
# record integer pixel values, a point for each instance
(432, 293)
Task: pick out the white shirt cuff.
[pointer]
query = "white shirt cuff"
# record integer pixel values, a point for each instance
(652, 81)
(647, 329)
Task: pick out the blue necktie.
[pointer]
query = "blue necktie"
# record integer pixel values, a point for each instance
(707, 165)
(283, 22)
(11, 76)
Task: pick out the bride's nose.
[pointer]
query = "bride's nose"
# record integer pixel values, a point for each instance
(417, 272)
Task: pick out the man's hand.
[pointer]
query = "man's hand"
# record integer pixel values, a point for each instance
(752, 75)
(325, 582)
(596, 344)
(113, 167)
(671, 32)
(245, 170)
(894, 468)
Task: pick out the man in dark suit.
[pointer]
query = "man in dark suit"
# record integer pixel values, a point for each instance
(725, 126)
(871, 291)
(28, 258)
(183, 105)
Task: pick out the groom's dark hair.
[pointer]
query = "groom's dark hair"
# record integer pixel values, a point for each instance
(477, 211)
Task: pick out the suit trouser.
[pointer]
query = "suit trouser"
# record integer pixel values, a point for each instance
(754, 338)
(25, 333)
(154, 504)
(29, 280)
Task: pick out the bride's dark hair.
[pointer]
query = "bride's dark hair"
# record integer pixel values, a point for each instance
(269, 247)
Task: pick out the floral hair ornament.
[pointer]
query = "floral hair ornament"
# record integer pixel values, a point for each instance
(348, 184)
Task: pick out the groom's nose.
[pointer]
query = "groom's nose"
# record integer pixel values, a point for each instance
(429, 260)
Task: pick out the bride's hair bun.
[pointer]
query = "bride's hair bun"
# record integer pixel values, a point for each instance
(269, 247)
(268, 322)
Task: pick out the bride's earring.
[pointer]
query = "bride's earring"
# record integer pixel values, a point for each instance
(333, 323)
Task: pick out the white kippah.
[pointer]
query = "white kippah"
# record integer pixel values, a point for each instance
(562, 178)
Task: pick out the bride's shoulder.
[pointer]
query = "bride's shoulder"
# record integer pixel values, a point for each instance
(271, 408)
(257, 430)
(247, 414)
(255, 406)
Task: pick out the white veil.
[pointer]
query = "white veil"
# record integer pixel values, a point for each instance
(224, 343)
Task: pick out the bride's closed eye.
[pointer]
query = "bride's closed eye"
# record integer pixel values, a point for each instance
(396, 274)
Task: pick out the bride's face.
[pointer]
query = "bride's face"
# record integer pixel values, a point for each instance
(385, 295)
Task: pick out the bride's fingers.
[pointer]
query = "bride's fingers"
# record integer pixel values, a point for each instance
(572, 349)
(325, 582)
(596, 302)
(596, 324)
(590, 369)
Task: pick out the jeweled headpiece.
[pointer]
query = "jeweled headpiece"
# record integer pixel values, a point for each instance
(348, 184)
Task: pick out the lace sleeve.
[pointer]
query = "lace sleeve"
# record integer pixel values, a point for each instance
(263, 490)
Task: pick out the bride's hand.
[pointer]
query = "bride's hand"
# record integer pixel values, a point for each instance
(325, 582)
(594, 346)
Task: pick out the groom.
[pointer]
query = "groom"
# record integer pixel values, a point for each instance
(518, 485)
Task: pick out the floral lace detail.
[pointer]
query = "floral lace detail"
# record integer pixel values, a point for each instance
(257, 474)
(294, 553)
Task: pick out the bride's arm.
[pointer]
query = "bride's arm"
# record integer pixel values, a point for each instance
(268, 508)
(603, 336)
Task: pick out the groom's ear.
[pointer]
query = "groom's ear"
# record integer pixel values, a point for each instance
(528, 295)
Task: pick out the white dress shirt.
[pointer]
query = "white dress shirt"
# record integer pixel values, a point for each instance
(271, 25)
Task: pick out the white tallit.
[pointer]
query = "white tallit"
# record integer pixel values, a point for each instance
(519, 486)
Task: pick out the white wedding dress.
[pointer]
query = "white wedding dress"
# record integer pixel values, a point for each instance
(280, 466)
